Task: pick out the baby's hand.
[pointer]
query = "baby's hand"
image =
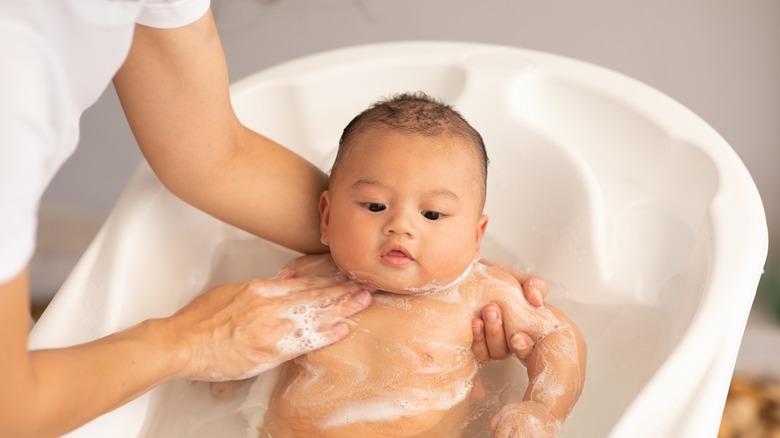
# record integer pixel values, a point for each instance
(527, 419)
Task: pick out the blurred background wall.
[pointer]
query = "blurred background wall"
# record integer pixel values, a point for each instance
(720, 58)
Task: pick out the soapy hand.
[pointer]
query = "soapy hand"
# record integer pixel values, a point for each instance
(490, 340)
(527, 419)
(239, 330)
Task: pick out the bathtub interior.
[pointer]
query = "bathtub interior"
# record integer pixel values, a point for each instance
(599, 184)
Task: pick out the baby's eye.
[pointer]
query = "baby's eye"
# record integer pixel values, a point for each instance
(432, 215)
(373, 206)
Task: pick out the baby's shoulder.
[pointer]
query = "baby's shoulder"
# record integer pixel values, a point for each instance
(313, 265)
(493, 273)
(491, 282)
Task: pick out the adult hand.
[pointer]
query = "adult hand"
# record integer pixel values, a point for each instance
(239, 330)
(491, 342)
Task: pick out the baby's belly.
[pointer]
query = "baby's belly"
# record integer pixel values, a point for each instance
(411, 387)
(328, 395)
(281, 421)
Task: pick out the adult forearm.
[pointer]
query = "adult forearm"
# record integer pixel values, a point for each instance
(233, 331)
(61, 389)
(174, 89)
(267, 190)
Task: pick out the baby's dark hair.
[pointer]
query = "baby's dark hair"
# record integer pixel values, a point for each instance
(415, 113)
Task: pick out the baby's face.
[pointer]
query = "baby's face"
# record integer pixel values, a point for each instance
(404, 212)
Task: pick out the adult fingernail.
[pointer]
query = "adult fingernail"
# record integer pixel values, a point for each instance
(491, 315)
(363, 297)
(519, 343)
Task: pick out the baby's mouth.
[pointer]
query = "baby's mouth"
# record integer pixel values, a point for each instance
(397, 256)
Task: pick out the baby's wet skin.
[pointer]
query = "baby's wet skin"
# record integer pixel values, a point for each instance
(422, 377)
(406, 366)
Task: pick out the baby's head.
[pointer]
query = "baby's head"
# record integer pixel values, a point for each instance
(403, 210)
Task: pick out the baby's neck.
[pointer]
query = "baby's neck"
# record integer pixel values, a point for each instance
(432, 289)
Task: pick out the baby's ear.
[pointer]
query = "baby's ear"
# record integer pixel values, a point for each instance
(481, 227)
(324, 216)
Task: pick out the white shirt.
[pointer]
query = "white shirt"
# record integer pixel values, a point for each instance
(56, 58)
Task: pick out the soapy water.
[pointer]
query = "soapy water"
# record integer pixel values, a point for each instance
(625, 343)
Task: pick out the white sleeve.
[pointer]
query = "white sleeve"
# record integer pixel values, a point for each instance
(57, 57)
(27, 136)
(168, 14)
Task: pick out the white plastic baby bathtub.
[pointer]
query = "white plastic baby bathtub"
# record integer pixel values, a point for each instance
(643, 220)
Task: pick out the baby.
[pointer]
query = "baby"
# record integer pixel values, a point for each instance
(403, 214)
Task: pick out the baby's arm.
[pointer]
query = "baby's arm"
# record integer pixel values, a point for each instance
(556, 369)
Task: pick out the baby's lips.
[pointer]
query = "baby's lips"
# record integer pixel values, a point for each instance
(397, 251)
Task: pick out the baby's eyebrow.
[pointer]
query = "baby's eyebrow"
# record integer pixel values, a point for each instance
(368, 182)
(443, 192)
(431, 193)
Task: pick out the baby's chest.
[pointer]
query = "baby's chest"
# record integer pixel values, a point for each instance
(409, 335)
(407, 318)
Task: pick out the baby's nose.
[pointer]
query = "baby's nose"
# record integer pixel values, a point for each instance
(399, 223)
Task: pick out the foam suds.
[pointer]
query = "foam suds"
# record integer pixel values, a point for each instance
(433, 287)
(398, 403)
(396, 301)
(532, 425)
(304, 336)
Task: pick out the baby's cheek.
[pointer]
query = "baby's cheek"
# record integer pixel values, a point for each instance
(350, 256)
(451, 260)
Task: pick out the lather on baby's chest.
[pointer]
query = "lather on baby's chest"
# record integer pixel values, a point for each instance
(405, 317)
(409, 331)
